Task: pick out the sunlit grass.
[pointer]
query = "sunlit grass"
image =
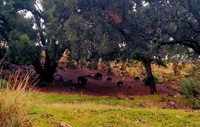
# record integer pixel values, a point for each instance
(100, 115)
(16, 101)
(137, 111)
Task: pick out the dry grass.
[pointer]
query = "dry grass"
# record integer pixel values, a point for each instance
(16, 101)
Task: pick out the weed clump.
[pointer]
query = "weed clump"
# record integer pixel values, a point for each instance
(191, 90)
(16, 101)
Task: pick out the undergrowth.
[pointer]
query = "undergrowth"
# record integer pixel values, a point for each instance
(16, 101)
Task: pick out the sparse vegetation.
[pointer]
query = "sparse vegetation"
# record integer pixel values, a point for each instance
(191, 90)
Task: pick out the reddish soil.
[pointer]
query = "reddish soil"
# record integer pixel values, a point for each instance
(101, 87)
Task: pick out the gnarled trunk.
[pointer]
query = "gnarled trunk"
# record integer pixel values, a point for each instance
(150, 79)
(47, 71)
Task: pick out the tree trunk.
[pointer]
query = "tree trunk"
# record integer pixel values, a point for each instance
(47, 71)
(150, 79)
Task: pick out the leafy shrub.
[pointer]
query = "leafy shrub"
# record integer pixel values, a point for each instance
(82, 63)
(169, 79)
(3, 83)
(43, 84)
(194, 71)
(176, 67)
(71, 65)
(193, 103)
(23, 51)
(157, 80)
(190, 87)
(134, 73)
(93, 65)
(135, 63)
(2, 52)
(16, 102)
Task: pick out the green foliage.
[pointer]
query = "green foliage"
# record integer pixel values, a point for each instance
(82, 63)
(2, 52)
(191, 90)
(190, 87)
(195, 70)
(43, 83)
(157, 80)
(93, 65)
(193, 103)
(135, 63)
(176, 67)
(70, 64)
(3, 83)
(134, 72)
(99, 111)
(23, 51)
(169, 79)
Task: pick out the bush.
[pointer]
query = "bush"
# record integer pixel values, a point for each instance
(134, 73)
(3, 83)
(82, 63)
(16, 102)
(157, 80)
(191, 90)
(190, 87)
(2, 52)
(71, 65)
(169, 79)
(193, 103)
(43, 83)
(23, 51)
(93, 65)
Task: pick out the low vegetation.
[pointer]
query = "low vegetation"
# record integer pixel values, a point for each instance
(16, 101)
(138, 111)
(127, 41)
(17, 108)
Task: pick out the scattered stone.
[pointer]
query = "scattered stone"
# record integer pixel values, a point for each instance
(131, 98)
(177, 95)
(172, 104)
(63, 124)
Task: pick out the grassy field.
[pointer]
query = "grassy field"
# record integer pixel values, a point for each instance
(86, 111)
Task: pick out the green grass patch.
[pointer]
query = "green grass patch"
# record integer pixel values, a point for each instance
(84, 111)
(95, 115)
